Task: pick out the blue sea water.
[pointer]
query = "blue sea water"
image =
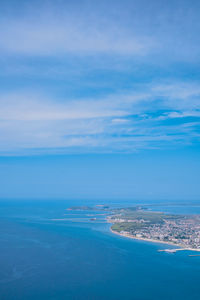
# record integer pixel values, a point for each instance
(45, 257)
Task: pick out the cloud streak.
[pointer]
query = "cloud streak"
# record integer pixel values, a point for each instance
(125, 122)
(52, 37)
(110, 28)
(98, 76)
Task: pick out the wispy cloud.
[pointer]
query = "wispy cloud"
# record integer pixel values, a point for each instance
(116, 122)
(114, 28)
(53, 37)
(98, 76)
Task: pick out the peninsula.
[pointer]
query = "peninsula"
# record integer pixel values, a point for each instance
(138, 223)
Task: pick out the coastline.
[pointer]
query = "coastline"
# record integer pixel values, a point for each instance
(180, 247)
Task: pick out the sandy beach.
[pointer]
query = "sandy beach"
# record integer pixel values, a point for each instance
(180, 247)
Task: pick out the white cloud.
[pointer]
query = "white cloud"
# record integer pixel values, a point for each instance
(120, 121)
(175, 114)
(112, 123)
(76, 47)
(69, 36)
(126, 29)
(30, 107)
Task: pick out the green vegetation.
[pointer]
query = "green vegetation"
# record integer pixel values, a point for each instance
(146, 216)
(125, 226)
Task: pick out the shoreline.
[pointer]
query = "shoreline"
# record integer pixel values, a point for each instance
(181, 248)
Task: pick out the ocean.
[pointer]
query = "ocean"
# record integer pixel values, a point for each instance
(45, 257)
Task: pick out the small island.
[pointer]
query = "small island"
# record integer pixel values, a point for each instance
(89, 208)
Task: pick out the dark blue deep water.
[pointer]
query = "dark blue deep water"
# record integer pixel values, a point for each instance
(44, 257)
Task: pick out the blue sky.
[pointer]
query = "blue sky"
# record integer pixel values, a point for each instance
(115, 82)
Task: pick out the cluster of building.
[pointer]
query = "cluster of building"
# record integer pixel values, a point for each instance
(183, 230)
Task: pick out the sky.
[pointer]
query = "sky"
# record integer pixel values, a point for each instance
(100, 99)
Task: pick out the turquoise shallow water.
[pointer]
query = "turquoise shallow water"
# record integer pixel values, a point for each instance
(43, 258)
